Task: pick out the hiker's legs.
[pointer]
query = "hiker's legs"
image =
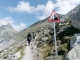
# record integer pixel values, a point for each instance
(28, 42)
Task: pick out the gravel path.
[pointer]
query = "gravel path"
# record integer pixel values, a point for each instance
(30, 53)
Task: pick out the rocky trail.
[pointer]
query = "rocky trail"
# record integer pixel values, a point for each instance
(30, 52)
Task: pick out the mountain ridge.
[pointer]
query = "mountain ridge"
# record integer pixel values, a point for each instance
(6, 31)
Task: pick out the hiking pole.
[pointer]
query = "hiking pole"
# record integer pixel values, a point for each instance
(56, 52)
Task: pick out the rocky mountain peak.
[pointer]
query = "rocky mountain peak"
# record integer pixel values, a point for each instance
(8, 26)
(7, 31)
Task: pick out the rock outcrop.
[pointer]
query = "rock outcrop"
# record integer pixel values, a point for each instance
(74, 53)
(75, 20)
(74, 15)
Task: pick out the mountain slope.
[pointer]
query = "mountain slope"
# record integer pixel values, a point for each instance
(34, 27)
(70, 13)
(6, 33)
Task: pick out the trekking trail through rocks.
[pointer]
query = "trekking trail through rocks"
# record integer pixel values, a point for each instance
(30, 53)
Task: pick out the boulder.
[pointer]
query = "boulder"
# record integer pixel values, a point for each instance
(75, 19)
(74, 53)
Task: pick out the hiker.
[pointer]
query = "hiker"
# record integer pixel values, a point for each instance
(33, 35)
(37, 35)
(29, 38)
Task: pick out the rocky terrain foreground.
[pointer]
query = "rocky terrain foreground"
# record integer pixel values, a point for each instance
(30, 52)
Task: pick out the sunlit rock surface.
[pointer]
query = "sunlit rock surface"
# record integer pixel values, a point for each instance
(74, 53)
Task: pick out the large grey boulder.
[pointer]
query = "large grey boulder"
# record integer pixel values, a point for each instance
(75, 17)
(74, 53)
(75, 20)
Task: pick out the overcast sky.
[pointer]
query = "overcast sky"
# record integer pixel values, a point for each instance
(22, 13)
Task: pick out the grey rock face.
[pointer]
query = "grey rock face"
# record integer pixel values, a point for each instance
(74, 53)
(75, 19)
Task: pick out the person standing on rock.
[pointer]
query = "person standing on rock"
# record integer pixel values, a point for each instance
(33, 35)
(29, 38)
(36, 37)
